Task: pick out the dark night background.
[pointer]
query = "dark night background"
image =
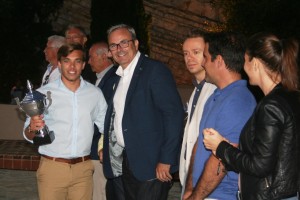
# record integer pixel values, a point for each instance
(26, 24)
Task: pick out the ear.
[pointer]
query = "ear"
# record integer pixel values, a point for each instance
(136, 44)
(256, 64)
(84, 40)
(219, 61)
(83, 66)
(59, 65)
(109, 54)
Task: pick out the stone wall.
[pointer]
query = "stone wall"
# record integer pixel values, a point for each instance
(73, 12)
(170, 21)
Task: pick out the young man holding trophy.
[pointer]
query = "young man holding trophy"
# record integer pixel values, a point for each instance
(65, 170)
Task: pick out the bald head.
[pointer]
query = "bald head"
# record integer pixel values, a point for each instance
(98, 57)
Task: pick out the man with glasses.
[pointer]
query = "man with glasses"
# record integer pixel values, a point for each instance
(144, 121)
(52, 73)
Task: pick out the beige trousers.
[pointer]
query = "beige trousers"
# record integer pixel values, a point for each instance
(99, 181)
(62, 181)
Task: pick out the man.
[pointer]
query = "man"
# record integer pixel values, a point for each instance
(52, 73)
(226, 110)
(65, 170)
(102, 65)
(144, 121)
(193, 48)
(76, 34)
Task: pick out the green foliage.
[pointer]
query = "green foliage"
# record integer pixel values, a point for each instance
(25, 26)
(277, 16)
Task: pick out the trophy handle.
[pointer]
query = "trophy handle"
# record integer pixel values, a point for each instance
(18, 103)
(50, 101)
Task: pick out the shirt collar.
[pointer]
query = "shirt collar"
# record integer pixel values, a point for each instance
(198, 85)
(102, 73)
(62, 85)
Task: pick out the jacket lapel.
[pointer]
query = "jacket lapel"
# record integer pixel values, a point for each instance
(134, 80)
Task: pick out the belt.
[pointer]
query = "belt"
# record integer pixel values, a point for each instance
(69, 161)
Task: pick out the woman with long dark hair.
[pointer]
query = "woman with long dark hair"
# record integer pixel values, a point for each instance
(267, 157)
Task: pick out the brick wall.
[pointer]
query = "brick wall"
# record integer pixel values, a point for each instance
(171, 20)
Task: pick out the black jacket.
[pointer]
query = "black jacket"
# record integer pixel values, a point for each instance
(268, 159)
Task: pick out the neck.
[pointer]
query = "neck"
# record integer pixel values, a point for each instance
(54, 65)
(200, 76)
(71, 85)
(227, 80)
(268, 87)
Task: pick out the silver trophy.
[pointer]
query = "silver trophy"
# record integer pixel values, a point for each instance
(34, 103)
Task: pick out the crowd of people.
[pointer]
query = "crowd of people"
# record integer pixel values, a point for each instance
(119, 129)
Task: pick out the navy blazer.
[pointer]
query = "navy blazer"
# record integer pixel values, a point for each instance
(152, 121)
(106, 86)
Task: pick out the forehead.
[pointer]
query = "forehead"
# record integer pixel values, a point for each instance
(75, 54)
(197, 42)
(119, 34)
(73, 31)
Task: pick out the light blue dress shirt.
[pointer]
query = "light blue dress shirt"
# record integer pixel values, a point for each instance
(72, 116)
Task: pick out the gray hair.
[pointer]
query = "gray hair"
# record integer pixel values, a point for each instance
(57, 40)
(122, 26)
(102, 47)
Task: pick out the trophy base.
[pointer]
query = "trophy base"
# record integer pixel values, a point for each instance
(47, 139)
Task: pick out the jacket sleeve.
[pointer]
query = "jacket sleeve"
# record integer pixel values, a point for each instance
(260, 158)
(167, 100)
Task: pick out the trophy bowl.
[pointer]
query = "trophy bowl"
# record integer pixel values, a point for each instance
(34, 103)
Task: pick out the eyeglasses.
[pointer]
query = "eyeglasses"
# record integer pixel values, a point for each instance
(122, 44)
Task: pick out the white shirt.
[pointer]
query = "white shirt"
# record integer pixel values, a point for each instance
(72, 116)
(120, 96)
(101, 74)
(54, 75)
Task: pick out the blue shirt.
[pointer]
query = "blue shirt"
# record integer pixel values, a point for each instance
(72, 116)
(227, 110)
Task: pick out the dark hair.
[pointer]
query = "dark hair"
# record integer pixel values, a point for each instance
(279, 56)
(231, 46)
(65, 50)
(194, 33)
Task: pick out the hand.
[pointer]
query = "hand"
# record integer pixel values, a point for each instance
(163, 172)
(212, 139)
(100, 153)
(37, 123)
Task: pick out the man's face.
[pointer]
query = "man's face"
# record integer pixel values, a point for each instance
(122, 55)
(193, 54)
(74, 35)
(71, 66)
(209, 66)
(95, 60)
(50, 52)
